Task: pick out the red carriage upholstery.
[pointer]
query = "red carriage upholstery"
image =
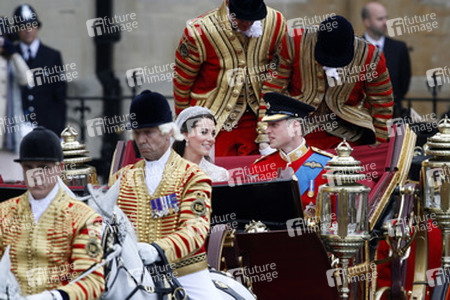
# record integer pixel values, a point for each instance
(234, 162)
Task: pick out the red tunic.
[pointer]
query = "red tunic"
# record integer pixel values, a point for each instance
(268, 166)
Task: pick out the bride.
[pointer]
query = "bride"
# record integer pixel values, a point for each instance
(198, 126)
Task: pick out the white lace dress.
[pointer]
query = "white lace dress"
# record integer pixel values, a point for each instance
(216, 173)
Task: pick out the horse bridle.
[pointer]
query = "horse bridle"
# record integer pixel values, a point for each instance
(109, 239)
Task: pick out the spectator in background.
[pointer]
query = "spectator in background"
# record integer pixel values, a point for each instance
(12, 75)
(374, 17)
(47, 98)
(198, 126)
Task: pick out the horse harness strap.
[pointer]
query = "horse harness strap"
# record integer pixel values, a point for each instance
(190, 261)
(174, 284)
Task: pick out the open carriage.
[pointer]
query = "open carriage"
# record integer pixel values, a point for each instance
(277, 262)
(397, 261)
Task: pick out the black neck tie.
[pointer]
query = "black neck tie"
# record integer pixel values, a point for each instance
(30, 57)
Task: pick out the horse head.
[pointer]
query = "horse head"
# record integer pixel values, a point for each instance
(127, 275)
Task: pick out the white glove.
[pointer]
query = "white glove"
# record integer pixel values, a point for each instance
(148, 253)
(267, 150)
(47, 295)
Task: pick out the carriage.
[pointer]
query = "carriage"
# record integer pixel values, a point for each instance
(390, 248)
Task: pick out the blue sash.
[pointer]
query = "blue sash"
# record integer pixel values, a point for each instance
(308, 171)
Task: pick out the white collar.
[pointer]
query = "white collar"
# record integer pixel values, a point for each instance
(38, 207)
(379, 43)
(254, 31)
(34, 46)
(154, 171)
(331, 72)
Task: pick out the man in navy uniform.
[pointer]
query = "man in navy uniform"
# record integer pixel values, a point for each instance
(47, 98)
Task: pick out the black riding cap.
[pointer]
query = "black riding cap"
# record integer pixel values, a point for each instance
(40, 145)
(149, 109)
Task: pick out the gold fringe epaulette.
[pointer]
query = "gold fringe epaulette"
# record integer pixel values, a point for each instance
(264, 157)
(320, 151)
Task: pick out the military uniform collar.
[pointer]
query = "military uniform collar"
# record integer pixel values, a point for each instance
(295, 154)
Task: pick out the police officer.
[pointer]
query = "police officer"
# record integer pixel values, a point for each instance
(46, 95)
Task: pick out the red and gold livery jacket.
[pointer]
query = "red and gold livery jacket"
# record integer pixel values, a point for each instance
(185, 192)
(210, 61)
(47, 255)
(363, 97)
(307, 164)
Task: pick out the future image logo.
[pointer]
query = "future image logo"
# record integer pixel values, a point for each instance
(109, 125)
(109, 25)
(49, 75)
(437, 277)
(313, 23)
(409, 25)
(438, 76)
(198, 26)
(149, 75)
(335, 277)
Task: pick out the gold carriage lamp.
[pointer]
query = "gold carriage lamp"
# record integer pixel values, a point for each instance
(436, 184)
(76, 172)
(433, 168)
(343, 209)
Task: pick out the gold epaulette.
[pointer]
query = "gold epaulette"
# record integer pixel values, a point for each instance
(320, 151)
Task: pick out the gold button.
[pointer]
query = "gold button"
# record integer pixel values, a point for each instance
(320, 74)
(320, 89)
(235, 93)
(232, 37)
(239, 51)
(228, 107)
(316, 99)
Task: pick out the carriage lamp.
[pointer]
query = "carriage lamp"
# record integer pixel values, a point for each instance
(436, 184)
(76, 172)
(343, 209)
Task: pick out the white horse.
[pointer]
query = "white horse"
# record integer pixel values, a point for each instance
(9, 287)
(126, 276)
